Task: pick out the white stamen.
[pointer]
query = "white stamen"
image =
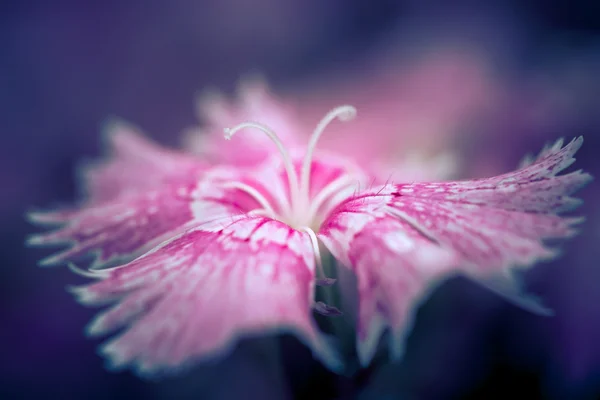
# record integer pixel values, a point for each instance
(287, 160)
(256, 195)
(333, 187)
(343, 113)
(299, 212)
(315, 245)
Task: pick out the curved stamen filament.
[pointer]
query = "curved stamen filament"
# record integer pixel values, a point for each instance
(299, 211)
(315, 245)
(343, 113)
(329, 190)
(287, 160)
(256, 195)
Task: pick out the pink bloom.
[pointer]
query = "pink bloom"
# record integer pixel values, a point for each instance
(194, 255)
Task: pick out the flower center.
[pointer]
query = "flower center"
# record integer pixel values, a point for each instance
(303, 211)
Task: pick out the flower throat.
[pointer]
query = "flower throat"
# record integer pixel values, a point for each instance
(301, 212)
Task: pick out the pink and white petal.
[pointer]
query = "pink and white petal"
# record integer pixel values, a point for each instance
(122, 229)
(498, 222)
(395, 266)
(481, 228)
(254, 103)
(134, 164)
(193, 298)
(534, 188)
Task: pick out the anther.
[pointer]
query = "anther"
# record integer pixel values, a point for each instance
(326, 310)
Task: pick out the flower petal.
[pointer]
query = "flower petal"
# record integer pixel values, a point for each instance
(394, 264)
(193, 297)
(401, 239)
(135, 163)
(118, 229)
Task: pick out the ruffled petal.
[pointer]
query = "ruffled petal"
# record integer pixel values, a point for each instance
(121, 230)
(193, 297)
(142, 196)
(253, 103)
(134, 164)
(402, 239)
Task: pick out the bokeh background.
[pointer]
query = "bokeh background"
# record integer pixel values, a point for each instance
(492, 80)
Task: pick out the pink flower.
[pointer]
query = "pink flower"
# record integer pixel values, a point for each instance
(197, 254)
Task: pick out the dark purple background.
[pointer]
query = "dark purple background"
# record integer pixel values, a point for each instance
(66, 66)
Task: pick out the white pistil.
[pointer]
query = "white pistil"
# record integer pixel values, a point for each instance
(287, 160)
(300, 211)
(343, 113)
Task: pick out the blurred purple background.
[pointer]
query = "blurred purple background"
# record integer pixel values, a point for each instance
(67, 66)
